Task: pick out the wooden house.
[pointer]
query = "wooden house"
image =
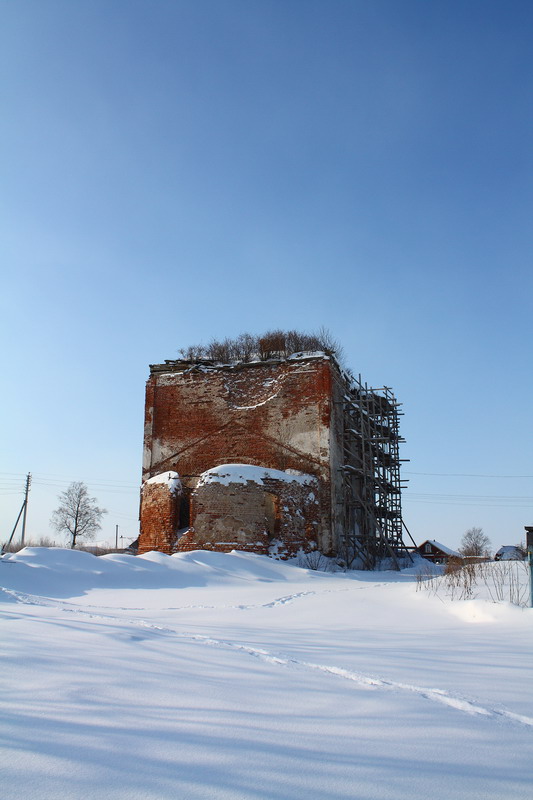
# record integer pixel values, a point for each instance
(436, 552)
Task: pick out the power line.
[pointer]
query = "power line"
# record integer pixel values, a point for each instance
(463, 475)
(484, 504)
(18, 474)
(100, 483)
(57, 480)
(518, 497)
(120, 514)
(111, 489)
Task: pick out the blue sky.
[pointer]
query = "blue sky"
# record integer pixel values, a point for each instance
(178, 171)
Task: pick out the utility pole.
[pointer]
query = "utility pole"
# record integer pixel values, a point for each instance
(22, 511)
(25, 506)
(116, 537)
(529, 545)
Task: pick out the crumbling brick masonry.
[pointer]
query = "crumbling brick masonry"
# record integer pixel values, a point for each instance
(276, 415)
(273, 456)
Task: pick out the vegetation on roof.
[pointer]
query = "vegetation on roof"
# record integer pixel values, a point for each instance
(272, 344)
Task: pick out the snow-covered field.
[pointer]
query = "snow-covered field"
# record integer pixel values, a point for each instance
(209, 675)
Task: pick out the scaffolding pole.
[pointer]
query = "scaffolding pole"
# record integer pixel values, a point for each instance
(371, 476)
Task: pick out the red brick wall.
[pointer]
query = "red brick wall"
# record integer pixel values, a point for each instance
(159, 518)
(273, 414)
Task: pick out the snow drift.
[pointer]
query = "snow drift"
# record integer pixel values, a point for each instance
(225, 676)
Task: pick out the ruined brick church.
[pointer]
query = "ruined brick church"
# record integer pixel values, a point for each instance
(272, 456)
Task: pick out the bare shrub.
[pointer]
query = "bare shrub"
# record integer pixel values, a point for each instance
(220, 351)
(427, 578)
(453, 565)
(504, 581)
(273, 344)
(508, 581)
(296, 341)
(315, 560)
(195, 352)
(330, 345)
(246, 347)
(96, 550)
(44, 541)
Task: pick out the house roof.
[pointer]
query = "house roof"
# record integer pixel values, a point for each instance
(509, 548)
(442, 547)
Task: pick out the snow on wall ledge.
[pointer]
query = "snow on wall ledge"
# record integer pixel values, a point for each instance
(242, 473)
(170, 479)
(253, 508)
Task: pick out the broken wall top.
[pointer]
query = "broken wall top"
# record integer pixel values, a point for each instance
(184, 365)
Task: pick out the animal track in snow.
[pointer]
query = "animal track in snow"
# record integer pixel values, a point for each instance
(38, 600)
(433, 694)
(437, 695)
(279, 601)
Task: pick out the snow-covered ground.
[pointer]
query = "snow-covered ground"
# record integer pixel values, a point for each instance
(209, 675)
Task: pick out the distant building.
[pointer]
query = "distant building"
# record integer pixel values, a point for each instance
(510, 552)
(436, 552)
(271, 456)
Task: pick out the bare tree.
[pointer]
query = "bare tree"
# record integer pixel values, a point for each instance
(195, 352)
(221, 351)
(78, 516)
(330, 345)
(475, 543)
(246, 346)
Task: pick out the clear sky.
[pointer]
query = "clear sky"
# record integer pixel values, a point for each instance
(174, 171)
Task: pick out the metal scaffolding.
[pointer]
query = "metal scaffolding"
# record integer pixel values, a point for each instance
(372, 503)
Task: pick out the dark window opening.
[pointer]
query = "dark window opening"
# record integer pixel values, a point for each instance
(185, 511)
(272, 516)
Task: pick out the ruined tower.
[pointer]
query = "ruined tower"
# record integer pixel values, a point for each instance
(277, 455)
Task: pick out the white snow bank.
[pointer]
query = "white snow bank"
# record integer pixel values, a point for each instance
(421, 566)
(231, 677)
(242, 473)
(476, 611)
(58, 572)
(172, 479)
